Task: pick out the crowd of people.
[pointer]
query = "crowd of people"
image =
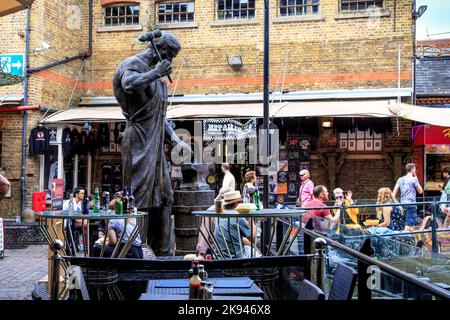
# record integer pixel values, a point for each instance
(391, 214)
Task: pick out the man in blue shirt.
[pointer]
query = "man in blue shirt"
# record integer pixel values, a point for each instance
(409, 186)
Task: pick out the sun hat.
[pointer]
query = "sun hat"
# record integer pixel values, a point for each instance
(231, 197)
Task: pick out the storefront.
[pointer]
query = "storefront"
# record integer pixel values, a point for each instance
(432, 155)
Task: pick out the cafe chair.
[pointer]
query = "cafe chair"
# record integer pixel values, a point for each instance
(343, 283)
(309, 291)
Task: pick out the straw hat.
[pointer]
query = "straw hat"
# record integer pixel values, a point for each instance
(231, 197)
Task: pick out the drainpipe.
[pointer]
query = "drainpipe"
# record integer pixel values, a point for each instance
(27, 72)
(25, 118)
(81, 56)
(414, 51)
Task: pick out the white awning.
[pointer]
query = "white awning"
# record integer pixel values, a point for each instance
(11, 6)
(352, 108)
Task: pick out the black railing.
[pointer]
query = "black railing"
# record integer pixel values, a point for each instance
(365, 261)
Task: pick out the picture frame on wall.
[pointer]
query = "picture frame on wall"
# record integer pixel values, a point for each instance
(369, 145)
(377, 145)
(352, 145)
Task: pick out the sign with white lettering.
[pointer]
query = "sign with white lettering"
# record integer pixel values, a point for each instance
(57, 195)
(228, 129)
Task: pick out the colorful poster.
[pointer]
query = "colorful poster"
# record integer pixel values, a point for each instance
(57, 195)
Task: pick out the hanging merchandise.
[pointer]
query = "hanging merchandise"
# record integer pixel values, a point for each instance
(293, 176)
(282, 188)
(103, 135)
(283, 154)
(82, 143)
(52, 135)
(116, 178)
(283, 176)
(107, 178)
(91, 143)
(39, 141)
(76, 141)
(292, 189)
(293, 166)
(67, 143)
(53, 174)
(304, 148)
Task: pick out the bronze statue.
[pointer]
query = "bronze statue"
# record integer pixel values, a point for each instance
(142, 95)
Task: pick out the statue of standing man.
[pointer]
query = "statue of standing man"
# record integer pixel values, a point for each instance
(142, 94)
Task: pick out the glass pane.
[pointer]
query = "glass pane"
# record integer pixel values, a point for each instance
(176, 7)
(108, 21)
(122, 11)
(183, 17)
(115, 21)
(161, 8)
(176, 18)
(251, 4)
(229, 4)
(136, 20)
(115, 11)
(251, 13)
(236, 4)
(220, 15)
(161, 18)
(129, 20)
(108, 11)
(129, 10)
(221, 5)
(291, 2)
(283, 11)
(136, 10)
(283, 2)
(190, 7)
(183, 7)
(190, 17)
(121, 20)
(168, 7)
(168, 18)
(315, 9)
(291, 11)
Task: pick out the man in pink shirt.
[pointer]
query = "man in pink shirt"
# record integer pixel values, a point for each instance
(305, 193)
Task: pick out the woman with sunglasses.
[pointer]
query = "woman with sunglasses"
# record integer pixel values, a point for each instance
(305, 193)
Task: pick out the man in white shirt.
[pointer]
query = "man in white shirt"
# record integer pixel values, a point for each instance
(228, 179)
(78, 197)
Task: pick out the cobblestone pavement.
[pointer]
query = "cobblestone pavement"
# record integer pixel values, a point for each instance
(19, 271)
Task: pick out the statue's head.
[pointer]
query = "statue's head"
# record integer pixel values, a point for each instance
(168, 45)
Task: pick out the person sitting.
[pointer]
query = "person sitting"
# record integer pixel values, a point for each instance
(115, 229)
(351, 212)
(77, 224)
(320, 194)
(228, 230)
(390, 217)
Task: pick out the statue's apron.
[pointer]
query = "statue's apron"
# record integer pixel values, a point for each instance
(142, 150)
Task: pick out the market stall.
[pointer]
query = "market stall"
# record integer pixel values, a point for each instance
(431, 153)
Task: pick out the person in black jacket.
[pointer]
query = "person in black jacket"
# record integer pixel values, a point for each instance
(38, 141)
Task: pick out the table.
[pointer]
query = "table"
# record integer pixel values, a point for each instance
(153, 291)
(149, 296)
(66, 232)
(272, 215)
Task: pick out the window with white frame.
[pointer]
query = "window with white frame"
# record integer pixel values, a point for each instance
(354, 5)
(235, 9)
(120, 15)
(361, 141)
(174, 12)
(298, 7)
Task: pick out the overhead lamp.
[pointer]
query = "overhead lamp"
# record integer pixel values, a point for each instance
(420, 12)
(87, 127)
(235, 62)
(327, 124)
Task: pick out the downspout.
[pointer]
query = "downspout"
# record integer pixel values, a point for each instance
(25, 118)
(81, 56)
(414, 59)
(27, 73)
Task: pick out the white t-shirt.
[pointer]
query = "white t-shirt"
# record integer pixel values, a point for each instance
(229, 181)
(77, 207)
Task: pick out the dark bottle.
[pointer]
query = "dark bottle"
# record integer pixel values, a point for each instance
(131, 202)
(202, 273)
(125, 199)
(85, 207)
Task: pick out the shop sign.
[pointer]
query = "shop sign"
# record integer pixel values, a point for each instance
(2, 239)
(228, 129)
(428, 134)
(57, 195)
(438, 148)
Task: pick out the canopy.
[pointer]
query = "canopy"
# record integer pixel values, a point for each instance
(11, 6)
(351, 108)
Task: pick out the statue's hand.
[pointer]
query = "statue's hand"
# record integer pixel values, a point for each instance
(184, 146)
(164, 68)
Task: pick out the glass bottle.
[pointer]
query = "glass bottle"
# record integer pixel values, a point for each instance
(256, 200)
(125, 199)
(194, 283)
(96, 204)
(131, 202)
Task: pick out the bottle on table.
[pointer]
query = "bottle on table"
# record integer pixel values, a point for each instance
(85, 207)
(106, 200)
(125, 199)
(194, 283)
(256, 200)
(118, 207)
(131, 201)
(202, 273)
(96, 202)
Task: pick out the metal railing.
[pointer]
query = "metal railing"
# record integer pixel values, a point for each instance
(365, 261)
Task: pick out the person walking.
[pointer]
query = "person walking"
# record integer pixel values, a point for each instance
(228, 179)
(409, 186)
(305, 193)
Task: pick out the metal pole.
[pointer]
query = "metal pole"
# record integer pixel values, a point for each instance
(435, 247)
(56, 247)
(23, 191)
(266, 227)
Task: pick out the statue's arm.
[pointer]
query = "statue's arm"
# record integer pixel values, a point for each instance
(170, 133)
(133, 80)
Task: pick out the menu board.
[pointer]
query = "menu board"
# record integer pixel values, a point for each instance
(57, 195)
